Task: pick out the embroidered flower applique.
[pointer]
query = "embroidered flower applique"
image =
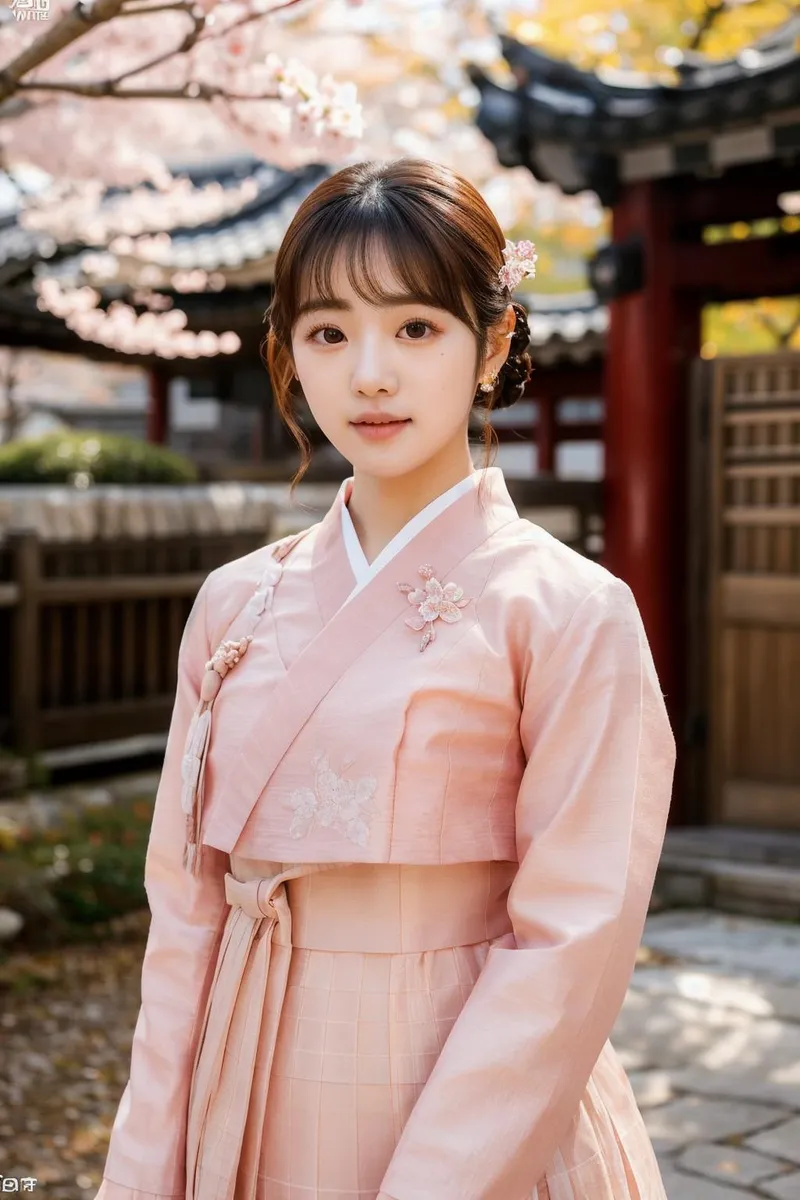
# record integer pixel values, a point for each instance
(333, 802)
(433, 601)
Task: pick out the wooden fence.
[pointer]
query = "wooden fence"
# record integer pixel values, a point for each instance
(89, 633)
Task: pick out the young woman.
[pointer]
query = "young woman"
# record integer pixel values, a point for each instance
(416, 782)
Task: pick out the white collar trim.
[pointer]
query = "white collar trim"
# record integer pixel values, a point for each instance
(363, 570)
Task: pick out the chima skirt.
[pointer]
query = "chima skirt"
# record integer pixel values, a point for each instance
(334, 990)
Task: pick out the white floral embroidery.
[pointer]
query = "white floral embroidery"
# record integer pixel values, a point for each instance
(333, 802)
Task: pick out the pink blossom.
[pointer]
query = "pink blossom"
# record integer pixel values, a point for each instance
(433, 601)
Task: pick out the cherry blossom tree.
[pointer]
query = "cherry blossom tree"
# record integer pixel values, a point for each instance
(191, 80)
(61, 92)
(200, 56)
(114, 92)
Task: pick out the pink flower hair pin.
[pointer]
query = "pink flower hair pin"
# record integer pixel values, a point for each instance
(521, 258)
(433, 601)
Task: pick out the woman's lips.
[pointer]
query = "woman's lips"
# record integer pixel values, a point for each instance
(379, 432)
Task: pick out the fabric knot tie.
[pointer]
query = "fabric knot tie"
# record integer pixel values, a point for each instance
(252, 896)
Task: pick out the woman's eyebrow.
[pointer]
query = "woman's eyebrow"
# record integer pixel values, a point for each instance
(390, 300)
(316, 303)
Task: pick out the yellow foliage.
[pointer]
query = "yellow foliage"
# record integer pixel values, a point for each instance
(757, 327)
(620, 34)
(610, 33)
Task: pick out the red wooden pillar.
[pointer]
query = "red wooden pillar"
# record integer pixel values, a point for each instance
(546, 434)
(654, 334)
(158, 406)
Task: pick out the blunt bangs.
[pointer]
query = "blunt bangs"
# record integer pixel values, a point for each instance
(364, 237)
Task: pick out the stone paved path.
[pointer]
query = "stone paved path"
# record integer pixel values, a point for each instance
(710, 1035)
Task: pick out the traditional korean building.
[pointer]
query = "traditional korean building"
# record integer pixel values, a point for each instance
(702, 480)
(567, 331)
(239, 248)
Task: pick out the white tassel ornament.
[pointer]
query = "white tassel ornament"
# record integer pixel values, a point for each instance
(224, 659)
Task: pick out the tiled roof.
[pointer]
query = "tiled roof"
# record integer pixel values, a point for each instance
(250, 234)
(584, 130)
(568, 327)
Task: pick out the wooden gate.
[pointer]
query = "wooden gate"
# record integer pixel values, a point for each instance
(746, 588)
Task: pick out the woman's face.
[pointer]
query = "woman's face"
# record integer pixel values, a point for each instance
(406, 360)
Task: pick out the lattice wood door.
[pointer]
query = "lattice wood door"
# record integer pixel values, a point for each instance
(753, 591)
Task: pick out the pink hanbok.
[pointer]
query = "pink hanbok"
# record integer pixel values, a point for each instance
(398, 872)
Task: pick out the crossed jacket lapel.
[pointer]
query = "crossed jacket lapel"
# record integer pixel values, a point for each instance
(350, 629)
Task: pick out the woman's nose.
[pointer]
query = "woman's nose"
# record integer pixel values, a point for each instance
(373, 372)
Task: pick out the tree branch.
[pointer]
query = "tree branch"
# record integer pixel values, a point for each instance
(782, 334)
(706, 23)
(108, 90)
(89, 13)
(67, 29)
(713, 11)
(107, 87)
(145, 9)
(197, 17)
(255, 16)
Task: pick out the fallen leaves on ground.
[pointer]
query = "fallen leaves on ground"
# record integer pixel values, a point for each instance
(66, 1024)
(646, 956)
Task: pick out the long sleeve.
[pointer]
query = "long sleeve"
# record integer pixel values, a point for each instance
(146, 1155)
(591, 815)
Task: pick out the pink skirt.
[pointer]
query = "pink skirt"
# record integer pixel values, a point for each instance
(335, 988)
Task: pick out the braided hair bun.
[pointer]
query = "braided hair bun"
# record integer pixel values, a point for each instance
(516, 370)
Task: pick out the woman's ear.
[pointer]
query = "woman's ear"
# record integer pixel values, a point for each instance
(499, 341)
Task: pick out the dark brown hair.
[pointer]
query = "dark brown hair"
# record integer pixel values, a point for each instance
(442, 242)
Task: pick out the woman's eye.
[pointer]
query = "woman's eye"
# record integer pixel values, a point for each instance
(326, 329)
(414, 327)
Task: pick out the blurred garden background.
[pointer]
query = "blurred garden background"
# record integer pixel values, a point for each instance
(152, 154)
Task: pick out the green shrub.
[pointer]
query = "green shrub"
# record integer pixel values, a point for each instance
(84, 873)
(85, 457)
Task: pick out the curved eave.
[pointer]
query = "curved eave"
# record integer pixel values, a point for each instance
(249, 235)
(569, 328)
(578, 130)
(770, 58)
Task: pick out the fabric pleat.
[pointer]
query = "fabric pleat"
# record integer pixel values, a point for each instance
(310, 1060)
(231, 1071)
(608, 1152)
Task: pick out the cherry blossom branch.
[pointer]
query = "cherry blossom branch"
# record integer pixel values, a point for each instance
(85, 16)
(192, 90)
(198, 22)
(249, 18)
(146, 11)
(88, 14)
(123, 329)
(110, 87)
(257, 13)
(187, 91)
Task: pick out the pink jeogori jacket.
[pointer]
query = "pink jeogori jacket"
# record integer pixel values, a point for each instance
(530, 728)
